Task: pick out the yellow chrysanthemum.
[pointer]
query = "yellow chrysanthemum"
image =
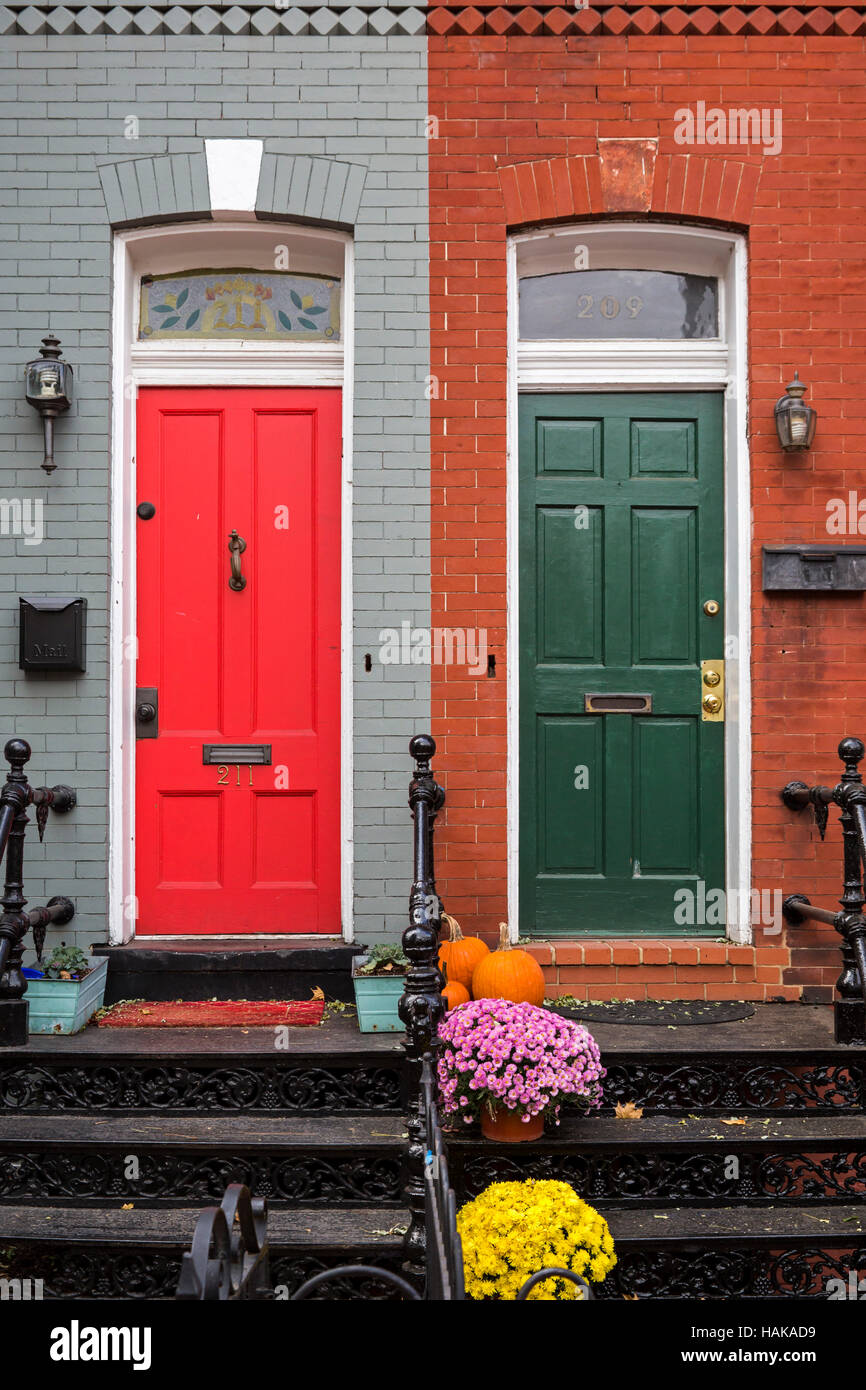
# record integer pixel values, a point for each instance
(514, 1229)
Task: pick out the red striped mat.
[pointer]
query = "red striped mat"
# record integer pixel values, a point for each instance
(216, 1013)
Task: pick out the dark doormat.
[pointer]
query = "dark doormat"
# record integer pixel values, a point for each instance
(673, 1013)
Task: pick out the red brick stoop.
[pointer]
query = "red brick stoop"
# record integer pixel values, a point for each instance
(662, 968)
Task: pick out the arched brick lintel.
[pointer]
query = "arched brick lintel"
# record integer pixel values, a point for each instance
(629, 176)
(176, 187)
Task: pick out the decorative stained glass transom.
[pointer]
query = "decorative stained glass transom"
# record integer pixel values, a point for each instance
(218, 304)
(580, 304)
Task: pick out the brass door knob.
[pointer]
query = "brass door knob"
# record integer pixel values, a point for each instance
(711, 703)
(711, 607)
(711, 677)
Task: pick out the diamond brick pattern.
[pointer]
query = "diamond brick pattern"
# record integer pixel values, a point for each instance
(60, 21)
(178, 21)
(323, 21)
(236, 20)
(120, 21)
(205, 21)
(31, 20)
(264, 21)
(355, 20)
(295, 21)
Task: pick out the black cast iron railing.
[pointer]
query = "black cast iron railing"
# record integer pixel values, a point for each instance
(16, 795)
(229, 1255)
(849, 794)
(421, 1007)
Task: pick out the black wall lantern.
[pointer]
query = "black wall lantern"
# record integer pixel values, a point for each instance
(48, 386)
(795, 420)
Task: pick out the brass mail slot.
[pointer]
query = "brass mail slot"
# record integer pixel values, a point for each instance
(617, 704)
(245, 753)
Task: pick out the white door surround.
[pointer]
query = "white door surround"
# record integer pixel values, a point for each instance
(652, 365)
(178, 246)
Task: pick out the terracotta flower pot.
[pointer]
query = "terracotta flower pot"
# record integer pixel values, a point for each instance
(506, 1127)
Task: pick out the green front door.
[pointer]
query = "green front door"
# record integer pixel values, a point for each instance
(621, 546)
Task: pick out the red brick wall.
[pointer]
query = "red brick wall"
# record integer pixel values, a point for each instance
(503, 101)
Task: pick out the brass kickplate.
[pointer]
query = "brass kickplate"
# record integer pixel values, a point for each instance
(713, 692)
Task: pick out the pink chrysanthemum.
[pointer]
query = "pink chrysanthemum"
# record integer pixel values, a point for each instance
(518, 1057)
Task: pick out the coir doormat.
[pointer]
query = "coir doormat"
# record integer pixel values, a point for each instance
(216, 1013)
(673, 1013)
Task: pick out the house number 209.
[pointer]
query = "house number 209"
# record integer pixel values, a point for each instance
(223, 774)
(608, 307)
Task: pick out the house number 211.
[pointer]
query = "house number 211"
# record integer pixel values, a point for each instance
(223, 775)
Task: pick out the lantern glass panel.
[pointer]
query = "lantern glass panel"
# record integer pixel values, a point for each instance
(48, 381)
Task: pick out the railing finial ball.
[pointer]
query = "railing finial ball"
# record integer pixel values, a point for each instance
(422, 747)
(17, 750)
(852, 750)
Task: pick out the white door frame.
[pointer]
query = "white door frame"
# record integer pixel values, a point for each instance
(652, 365)
(203, 363)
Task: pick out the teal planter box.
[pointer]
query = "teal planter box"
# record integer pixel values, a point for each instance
(65, 1006)
(377, 997)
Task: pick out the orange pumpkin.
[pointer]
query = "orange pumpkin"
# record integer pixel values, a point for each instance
(507, 973)
(460, 955)
(454, 994)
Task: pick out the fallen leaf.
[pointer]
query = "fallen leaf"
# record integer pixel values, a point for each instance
(629, 1111)
(630, 1297)
(128, 1206)
(734, 1121)
(317, 993)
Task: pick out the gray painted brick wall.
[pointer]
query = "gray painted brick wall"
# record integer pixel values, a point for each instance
(63, 103)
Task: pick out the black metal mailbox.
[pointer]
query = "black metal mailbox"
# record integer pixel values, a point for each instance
(52, 633)
(826, 566)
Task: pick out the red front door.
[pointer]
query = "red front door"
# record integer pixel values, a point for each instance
(237, 776)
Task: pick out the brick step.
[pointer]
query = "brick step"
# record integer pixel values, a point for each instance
(662, 1161)
(108, 1253)
(701, 1253)
(155, 1160)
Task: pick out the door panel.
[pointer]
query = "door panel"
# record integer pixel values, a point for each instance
(237, 847)
(621, 543)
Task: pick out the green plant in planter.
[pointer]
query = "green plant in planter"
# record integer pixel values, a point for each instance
(66, 963)
(385, 960)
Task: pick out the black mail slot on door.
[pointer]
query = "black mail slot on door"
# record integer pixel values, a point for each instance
(52, 633)
(246, 753)
(617, 704)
